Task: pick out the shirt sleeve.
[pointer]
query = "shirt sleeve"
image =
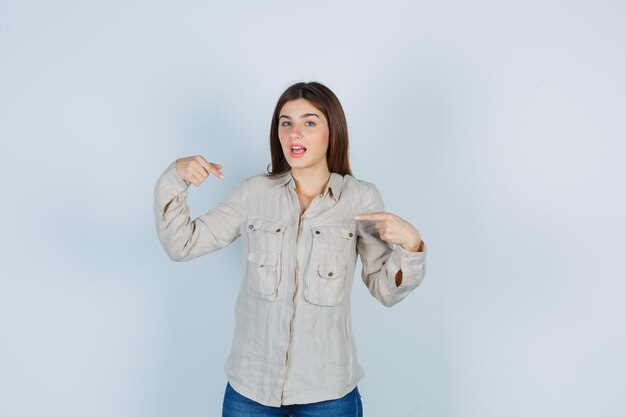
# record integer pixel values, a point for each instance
(184, 239)
(381, 260)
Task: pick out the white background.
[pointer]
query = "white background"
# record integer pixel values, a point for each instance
(495, 127)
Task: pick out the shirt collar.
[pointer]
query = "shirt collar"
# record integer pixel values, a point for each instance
(335, 183)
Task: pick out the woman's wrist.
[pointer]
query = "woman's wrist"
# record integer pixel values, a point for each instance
(415, 247)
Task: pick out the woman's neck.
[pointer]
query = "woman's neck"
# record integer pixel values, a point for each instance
(310, 182)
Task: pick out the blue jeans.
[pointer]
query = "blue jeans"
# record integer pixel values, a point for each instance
(236, 405)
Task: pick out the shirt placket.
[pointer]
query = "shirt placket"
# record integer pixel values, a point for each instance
(300, 250)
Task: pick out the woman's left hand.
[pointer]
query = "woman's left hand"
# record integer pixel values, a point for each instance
(394, 229)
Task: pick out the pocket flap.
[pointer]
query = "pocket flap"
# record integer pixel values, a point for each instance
(267, 225)
(263, 258)
(344, 231)
(331, 271)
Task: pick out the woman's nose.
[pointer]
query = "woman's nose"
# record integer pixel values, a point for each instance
(295, 133)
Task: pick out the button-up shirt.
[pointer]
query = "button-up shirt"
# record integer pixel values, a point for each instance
(293, 340)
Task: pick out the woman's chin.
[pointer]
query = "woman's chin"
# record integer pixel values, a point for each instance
(302, 163)
(296, 162)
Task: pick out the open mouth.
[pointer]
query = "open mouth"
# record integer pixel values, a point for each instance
(297, 151)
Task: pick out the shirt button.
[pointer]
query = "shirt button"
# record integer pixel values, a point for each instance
(250, 226)
(350, 235)
(330, 274)
(317, 232)
(277, 230)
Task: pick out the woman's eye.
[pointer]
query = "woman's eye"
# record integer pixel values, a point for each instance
(312, 123)
(283, 123)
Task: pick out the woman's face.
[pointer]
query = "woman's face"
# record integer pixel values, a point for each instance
(303, 133)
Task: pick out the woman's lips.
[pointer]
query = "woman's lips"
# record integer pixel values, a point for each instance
(297, 151)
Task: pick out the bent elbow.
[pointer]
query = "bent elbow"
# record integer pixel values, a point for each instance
(389, 302)
(177, 255)
(176, 258)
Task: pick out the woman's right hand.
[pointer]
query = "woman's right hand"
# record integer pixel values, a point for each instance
(196, 169)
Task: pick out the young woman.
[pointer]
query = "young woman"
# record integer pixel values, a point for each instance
(302, 226)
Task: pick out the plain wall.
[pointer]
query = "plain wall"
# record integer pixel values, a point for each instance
(496, 128)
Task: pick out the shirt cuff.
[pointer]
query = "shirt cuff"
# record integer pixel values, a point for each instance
(173, 179)
(411, 264)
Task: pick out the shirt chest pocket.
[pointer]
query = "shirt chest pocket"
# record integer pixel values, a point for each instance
(262, 274)
(325, 279)
(263, 268)
(335, 237)
(265, 234)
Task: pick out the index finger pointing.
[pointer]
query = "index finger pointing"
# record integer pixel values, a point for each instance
(218, 173)
(377, 215)
(212, 168)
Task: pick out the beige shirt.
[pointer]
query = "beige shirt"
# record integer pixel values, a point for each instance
(293, 341)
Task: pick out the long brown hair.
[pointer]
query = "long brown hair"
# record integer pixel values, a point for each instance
(327, 102)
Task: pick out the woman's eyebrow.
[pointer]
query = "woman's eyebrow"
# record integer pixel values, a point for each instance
(301, 116)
